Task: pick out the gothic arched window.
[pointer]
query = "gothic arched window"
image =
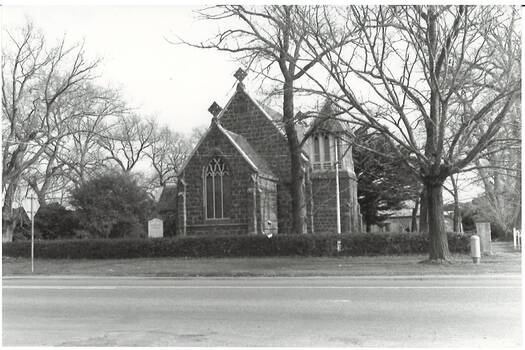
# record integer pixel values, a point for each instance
(217, 189)
(323, 148)
(327, 161)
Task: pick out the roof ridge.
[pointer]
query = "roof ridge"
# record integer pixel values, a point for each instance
(246, 153)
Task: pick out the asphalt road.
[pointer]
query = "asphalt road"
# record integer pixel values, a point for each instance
(443, 311)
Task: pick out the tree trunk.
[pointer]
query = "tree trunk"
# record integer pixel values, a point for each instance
(9, 220)
(457, 219)
(457, 210)
(310, 199)
(423, 212)
(368, 228)
(413, 225)
(438, 249)
(297, 171)
(41, 197)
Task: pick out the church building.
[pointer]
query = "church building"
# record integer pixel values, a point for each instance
(237, 178)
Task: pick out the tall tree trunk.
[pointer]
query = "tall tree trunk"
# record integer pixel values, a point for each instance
(297, 169)
(457, 219)
(310, 199)
(41, 193)
(435, 174)
(9, 220)
(413, 225)
(423, 212)
(438, 249)
(457, 210)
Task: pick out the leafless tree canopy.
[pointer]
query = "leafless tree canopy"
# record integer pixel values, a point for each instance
(438, 81)
(274, 43)
(59, 126)
(167, 154)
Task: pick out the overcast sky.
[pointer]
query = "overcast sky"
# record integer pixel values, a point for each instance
(174, 82)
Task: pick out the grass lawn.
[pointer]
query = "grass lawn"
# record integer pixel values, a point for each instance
(500, 262)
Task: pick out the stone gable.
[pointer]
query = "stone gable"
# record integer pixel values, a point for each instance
(245, 118)
(216, 143)
(250, 198)
(256, 152)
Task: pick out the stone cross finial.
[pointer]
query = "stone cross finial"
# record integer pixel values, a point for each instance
(215, 109)
(240, 74)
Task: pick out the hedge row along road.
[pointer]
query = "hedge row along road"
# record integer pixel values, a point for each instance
(234, 246)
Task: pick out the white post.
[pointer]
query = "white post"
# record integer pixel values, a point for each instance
(516, 237)
(32, 236)
(483, 232)
(475, 251)
(337, 199)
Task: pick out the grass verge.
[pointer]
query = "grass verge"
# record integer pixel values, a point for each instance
(268, 266)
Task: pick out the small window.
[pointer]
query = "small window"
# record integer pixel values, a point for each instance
(317, 152)
(327, 152)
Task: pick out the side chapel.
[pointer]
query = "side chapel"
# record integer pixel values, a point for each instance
(237, 178)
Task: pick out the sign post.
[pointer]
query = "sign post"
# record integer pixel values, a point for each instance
(32, 236)
(337, 199)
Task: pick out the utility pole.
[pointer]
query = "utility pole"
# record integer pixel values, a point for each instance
(337, 199)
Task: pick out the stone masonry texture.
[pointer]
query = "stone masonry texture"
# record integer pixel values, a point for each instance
(250, 213)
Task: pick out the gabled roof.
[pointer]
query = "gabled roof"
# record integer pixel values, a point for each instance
(277, 119)
(256, 162)
(325, 121)
(168, 197)
(250, 155)
(270, 115)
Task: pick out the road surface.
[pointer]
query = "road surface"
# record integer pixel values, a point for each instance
(443, 311)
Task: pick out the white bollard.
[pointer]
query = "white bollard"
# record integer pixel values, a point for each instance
(516, 237)
(475, 250)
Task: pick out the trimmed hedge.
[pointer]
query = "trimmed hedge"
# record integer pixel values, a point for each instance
(234, 246)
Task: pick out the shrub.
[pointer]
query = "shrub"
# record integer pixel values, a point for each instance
(53, 221)
(233, 246)
(112, 205)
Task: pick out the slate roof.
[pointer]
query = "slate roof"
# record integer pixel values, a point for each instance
(242, 144)
(168, 198)
(277, 119)
(247, 151)
(324, 123)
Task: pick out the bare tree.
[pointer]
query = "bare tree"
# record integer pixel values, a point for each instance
(499, 170)
(195, 135)
(126, 140)
(271, 40)
(81, 153)
(167, 153)
(438, 81)
(44, 177)
(36, 82)
(69, 160)
(454, 192)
